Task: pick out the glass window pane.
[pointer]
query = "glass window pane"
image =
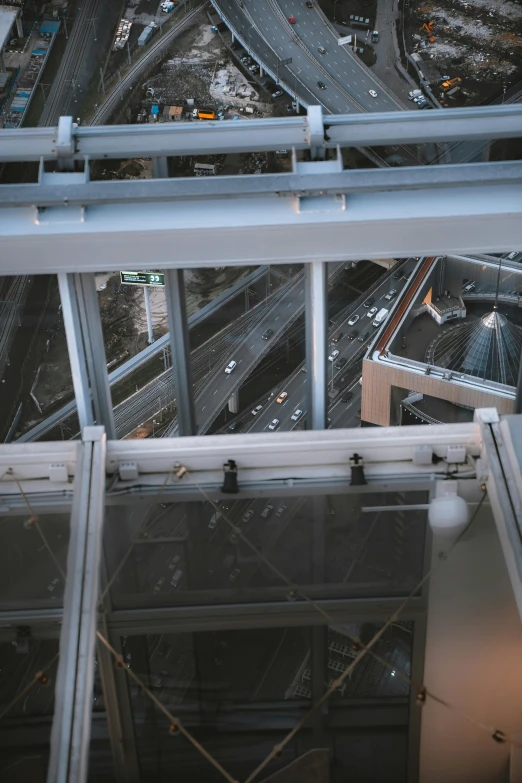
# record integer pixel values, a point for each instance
(332, 546)
(29, 575)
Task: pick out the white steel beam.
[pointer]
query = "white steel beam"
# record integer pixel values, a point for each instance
(71, 730)
(243, 231)
(366, 130)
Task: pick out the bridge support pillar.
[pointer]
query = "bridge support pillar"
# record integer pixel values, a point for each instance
(233, 403)
(261, 72)
(19, 28)
(180, 350)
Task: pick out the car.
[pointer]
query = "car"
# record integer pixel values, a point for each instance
(176, 579)
(391, 294)
(513, 255)
(296, 415)
(267, 334)
(291, 19)
(372, 93)
(321, 50)
(397, 275)
(53, 584)
(234, 575)
(233, 426)
(333, 356)
(277, 93)
(159, 583)
(280, 511)
(173, 563)
(254, 69)
(353, 334)
(347, 396)
(267, 511)
(214, 519)
(372, 312)
(247, 516)
(353, 320)
(363, 337)
(257, 409)
(158, 683)
(321, 85)
(230, 367)
(274, 424)
(339, 336)
(369, 301)
(339, 364)
(309, 4)
(282, 397)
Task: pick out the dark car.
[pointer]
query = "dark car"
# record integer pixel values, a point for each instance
(363, 337)
(267, 334)
(397, 275)
(309, 4)
(369, 301)
(347, 396)
(353, 334)
(339, 364)
(321, 85)
(337, 337)
(234, 425)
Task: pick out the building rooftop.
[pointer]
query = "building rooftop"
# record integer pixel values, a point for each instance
(8, 14)
(488, 348)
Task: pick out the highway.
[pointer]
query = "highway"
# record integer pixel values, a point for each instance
(285, 309)
(141, 358)
(342, 414)
(347, 80)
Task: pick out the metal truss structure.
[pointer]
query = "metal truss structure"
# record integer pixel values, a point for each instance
(317, 211)
(68, 225)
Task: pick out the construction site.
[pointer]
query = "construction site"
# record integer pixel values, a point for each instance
(467, 52)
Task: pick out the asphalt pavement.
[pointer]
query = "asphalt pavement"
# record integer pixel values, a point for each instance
(342, 415)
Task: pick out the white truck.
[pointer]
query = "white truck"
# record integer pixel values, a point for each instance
(381, 317)
(414, 94)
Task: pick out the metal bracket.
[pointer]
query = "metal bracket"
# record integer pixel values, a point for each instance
(64, 138)
(58, 472)
(128, 471)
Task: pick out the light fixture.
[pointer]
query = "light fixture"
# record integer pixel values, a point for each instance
(448, 515)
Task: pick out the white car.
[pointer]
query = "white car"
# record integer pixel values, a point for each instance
(372, 93)
(230, 367)
(333, 356)
(274, 424)
(296, 415)
(372, 312)
(256, 410)
(234, 575)
(247, 515)
(353, 320)
(280, 511)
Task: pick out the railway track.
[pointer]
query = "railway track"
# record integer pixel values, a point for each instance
(111, 100)
(71, 64)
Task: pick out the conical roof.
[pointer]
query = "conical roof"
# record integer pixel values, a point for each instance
(489, 348)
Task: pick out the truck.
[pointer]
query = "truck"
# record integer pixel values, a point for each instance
(176, 579)
(147, 34)
(414, 94)
(206, 114)
(381, 317)
(375, 36)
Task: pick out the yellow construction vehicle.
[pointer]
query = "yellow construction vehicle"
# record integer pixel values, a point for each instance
(451, 83)
(428, 27)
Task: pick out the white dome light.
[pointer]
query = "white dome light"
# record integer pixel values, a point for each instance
(448, 515)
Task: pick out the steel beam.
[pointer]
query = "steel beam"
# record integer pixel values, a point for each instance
(239, 231)
(71, 729)
(180, 349)
(76, 349)
(124, 141)
(314, 180)
(95, 352)
(316, 310)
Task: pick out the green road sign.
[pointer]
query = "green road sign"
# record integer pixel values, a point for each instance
(142, 278)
